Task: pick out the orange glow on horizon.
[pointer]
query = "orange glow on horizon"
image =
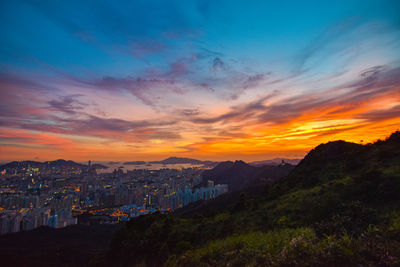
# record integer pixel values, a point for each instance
(291, 139)
(359, 121)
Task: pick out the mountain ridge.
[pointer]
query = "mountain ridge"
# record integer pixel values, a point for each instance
(275, 161)
(238, 174)
(178, 160)
(54, 163)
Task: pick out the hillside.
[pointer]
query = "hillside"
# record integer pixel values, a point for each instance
(275, 161)
(238, 175)
(339, 206)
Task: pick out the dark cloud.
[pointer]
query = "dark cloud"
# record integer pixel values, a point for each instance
(375, 78)
(90, 125)
(380, 115)
(372, 83)
(159, 134)
(67, 104)
(146, 90)
(368, 78)
(254, 80)
(244, 82)
(336, 131)
(21, 145)
(224, 117)
(21, 95)
(179, 68)
(291, 108)
(218, 64)
(238, 113)
(207, 87)
(232, 131)
(21, 83)
(94, 123)
(205, 53)
(189, 112)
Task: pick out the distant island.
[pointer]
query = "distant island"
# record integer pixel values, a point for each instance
(176, 160)
(134, 163)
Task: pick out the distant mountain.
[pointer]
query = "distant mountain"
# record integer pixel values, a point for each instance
(176, 160)
(21, 164)
(47, 164)
(134, 163)
(275, 161)
(99, 166)
(239, 174)
(113, 162)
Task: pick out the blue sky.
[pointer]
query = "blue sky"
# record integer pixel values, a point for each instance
(165, 68)
(109, 37)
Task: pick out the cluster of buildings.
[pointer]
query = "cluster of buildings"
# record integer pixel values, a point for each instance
(30, 198)
(12, 221)
(182, 197)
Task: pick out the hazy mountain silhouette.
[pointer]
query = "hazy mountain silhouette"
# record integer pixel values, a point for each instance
(239, 174)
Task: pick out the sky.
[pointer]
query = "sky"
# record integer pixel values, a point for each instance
(216, 80)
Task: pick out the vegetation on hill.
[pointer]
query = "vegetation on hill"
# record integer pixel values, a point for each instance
(339, 206)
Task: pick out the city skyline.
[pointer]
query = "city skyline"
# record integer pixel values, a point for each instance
(219, 81)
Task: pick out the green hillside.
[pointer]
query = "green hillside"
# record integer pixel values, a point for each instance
(339, 206)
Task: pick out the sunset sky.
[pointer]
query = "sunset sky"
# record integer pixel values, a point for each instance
(217, 80)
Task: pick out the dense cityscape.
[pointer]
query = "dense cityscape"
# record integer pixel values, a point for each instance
(62, 193)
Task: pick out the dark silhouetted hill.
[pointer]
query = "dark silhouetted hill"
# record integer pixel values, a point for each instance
(238, 175)
(274, 162)
(176, 160)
